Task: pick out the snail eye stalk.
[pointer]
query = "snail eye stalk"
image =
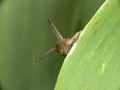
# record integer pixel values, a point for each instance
(75, 37)
(37, 60)
(55, 30)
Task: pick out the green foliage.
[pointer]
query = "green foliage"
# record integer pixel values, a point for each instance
(25, 34)
(94, 61)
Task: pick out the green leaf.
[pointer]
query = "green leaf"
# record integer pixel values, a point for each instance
(25, 34)
(94, 61)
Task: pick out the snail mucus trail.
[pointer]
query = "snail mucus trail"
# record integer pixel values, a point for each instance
(62, 46)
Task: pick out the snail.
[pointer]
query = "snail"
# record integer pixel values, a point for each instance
(62, 46)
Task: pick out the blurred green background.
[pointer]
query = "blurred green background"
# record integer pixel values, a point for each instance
(25, 34)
